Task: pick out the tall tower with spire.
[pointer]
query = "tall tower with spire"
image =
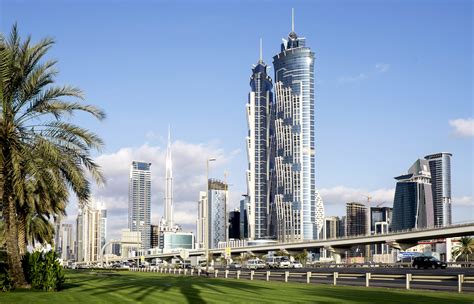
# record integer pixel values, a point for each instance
(169, 185)
(299, 208)
(260, 131)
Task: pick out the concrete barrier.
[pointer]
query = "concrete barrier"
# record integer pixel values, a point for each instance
(308, 277)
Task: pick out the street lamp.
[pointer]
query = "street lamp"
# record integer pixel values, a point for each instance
(207, 212)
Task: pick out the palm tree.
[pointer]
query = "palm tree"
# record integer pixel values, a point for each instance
(465, 247)
(39, 145)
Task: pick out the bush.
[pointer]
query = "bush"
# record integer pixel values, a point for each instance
(6, 282)
(43, 271)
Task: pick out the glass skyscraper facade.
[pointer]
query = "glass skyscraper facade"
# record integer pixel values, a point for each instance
(413, 201)
(218, 192)
(139, 201)
(440, 168)
(297, 205)
(259, 141)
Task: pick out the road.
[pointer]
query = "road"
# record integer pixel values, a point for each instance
(359, 278)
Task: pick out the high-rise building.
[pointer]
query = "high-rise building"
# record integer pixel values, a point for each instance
(103, 225)
(260, 132)
(298, 214)
(218, 196)
(234, 224)
(356, 219)
(380, 215)
(89, 233)
(201, 221)
(413, 201)
(155, 236)
(333, 227)
(440, 169)
(65, 242)
(139, 200)
(169, 185)
(244, 216)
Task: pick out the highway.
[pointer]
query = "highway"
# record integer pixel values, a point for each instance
(445, 279)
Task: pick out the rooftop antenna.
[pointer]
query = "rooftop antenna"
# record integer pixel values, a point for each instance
(261, 50)
(292, 19)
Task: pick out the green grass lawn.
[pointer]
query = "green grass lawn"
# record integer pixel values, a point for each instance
(128, 287)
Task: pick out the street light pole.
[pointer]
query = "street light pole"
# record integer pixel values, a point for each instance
(207, 213)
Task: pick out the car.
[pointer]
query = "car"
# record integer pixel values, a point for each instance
(296, 265)
(284, 262)
(234, 266)
(255, 264)
(428, 262)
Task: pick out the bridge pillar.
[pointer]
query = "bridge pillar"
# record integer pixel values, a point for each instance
(336, 252)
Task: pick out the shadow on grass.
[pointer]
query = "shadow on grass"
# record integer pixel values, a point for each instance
(149, 287)
(140, 287)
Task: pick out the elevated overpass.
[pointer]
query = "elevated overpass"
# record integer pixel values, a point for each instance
(400, 240)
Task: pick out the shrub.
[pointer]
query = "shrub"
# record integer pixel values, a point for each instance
(6, 282)
(43, 271)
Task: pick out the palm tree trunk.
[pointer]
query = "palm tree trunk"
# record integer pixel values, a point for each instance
(11, 229)
(13, 250)
(22, 235)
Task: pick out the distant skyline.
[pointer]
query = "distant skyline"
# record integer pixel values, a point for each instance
(393, 83)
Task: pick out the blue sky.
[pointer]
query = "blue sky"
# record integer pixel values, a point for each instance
(390, 76)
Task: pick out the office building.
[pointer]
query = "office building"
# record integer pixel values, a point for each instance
(234, 224)
(440, 169)
(244, 216)
(176, 240)
(155, 236)
(139, 201)
(380, 217)
(260, 132)
(65, 242)
(356, 219)
(296, 207)
(130, 243)
(333, 227)
(413, 201)
(218, 196)
(89, 232)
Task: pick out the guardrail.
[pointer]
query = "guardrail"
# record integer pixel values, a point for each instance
(335, 276)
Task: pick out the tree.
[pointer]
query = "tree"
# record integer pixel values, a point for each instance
(465, 247)
(43, 155)
(302, 257)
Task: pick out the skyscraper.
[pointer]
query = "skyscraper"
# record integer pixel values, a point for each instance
(296, 196)
(440, 168)
(413, 201)
(89, 233)
(244, 217)
(259, 149)
(139, 200)
(65, 242)
(234, 224)
(169, 185)
(356, 219)
(218, 192)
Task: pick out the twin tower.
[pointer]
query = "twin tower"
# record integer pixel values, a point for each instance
(284, 201)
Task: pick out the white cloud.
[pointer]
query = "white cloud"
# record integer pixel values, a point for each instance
(189, 176)
(463, 201)
(463, 127)
(379, 68)
(353, 79)
(382, 67)
(340, 195)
